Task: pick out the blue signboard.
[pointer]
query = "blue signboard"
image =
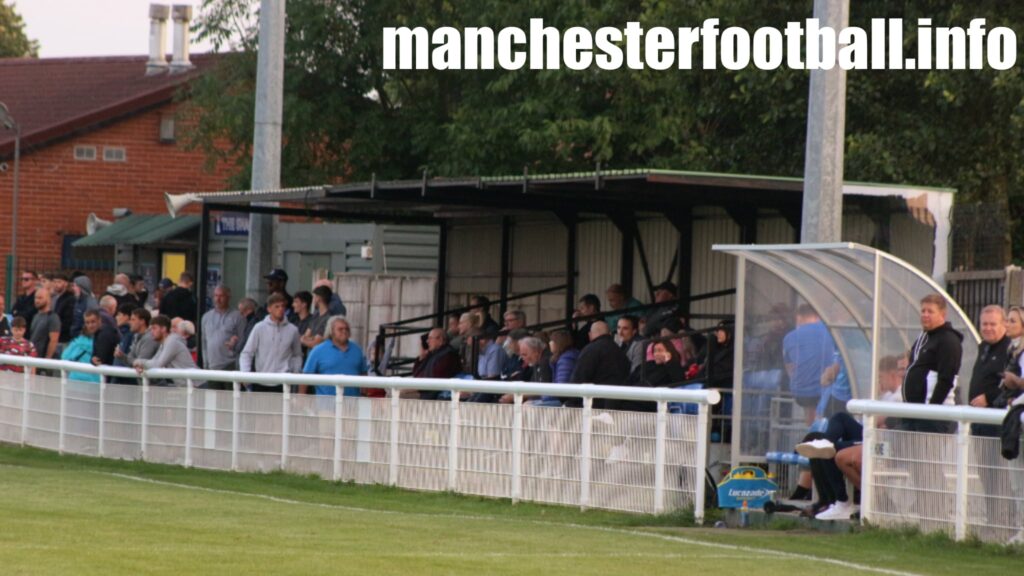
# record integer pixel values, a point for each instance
(748, 483)
(231, 225)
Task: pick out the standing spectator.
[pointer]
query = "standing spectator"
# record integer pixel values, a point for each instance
(993, 357)
(5, 319)
(273, 345)
(63, 306)
(105, 338)
(139, 290)
(223, 332)
(108, 310)
(619, 301)
(124, 290)
(247, 310)
(172, 353)
(482, 306)
(81, 288)
(25, 306)
(600, 362)
(588, 305)
(627, 330)
(436, 360)
(338, 355)
(335, 305)
(45, 330)
(316, 331)
(302, 306)
(277, 283)
(934, 364)
(144, 346)
(17, 345)
(808, 351)
(180, 301)
(123, 321)
(81, 350)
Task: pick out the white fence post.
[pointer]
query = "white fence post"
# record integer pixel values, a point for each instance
(703, 427)
(517, 448)
(63, 410)
(236, 398)
(659, 457)
(588, 413)
(286, 401)
(145, 416)
(963, 445)
(338, 405)
(188, 423)
(453, 441)
(867, 481)
(393, 459)
(102, 429)
(25, 404)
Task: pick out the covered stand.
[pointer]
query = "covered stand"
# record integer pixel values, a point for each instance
(867, 299)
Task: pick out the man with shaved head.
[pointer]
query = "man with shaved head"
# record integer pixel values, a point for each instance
(436, 360)
(600, 362)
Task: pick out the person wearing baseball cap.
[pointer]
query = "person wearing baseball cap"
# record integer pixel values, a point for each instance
(277, 282)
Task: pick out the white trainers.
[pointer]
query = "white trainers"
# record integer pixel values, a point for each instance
(837, 511)
(816, 449)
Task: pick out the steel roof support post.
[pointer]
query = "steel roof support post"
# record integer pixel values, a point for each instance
(441, 294)
(202, 277)
(571, 222)
(682, 219)
(506, 262)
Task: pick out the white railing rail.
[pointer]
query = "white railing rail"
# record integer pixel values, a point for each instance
(937, 452)
(580, 436)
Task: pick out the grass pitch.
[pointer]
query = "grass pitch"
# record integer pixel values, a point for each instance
(74, 515)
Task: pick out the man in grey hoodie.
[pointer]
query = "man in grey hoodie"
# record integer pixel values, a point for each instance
(273, 345)
(173, 353)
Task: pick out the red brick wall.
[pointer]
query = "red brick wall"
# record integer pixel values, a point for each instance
(57, 192)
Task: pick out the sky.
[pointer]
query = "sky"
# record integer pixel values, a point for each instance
(95, 27)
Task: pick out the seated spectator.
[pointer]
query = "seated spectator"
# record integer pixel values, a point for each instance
(436, 360)
(588, 305)
(482, 306)
(514, 320)
(452, 325)
(600, 362)
(468, 322)
(844, 433)
(492, 357)
(563, 356)
(714, 369)
(628, 338)
(172, 353)
(538, 365)
(619, 302)
(663, 370)
(513, 365)
(664, 293)
(17, 345)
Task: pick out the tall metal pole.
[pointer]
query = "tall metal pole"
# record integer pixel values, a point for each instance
(826, 126)
(266, 145)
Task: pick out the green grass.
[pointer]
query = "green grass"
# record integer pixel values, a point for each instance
(65, 514)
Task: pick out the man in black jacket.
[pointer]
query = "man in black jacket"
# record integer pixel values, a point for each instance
(993, 355)
(934, 364)
(600, 362)
(105, 338)
(63, 302)
(180, 302)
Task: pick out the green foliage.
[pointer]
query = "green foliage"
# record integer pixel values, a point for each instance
(13, 41)
(346, 118)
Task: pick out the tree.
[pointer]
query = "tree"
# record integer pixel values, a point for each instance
(13, 41)
(346, 118)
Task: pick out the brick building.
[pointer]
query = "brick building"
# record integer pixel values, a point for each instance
(96, 134)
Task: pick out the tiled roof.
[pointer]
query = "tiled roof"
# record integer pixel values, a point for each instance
(51, 98)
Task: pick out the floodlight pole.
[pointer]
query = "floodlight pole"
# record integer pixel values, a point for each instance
(822, 219)
(7, 121)
(266, 145)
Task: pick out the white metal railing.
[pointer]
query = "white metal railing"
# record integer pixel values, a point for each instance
(631, 461)
(956, 483)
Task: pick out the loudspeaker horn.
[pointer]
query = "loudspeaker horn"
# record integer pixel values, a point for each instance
(175, 202)
(94, 223)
